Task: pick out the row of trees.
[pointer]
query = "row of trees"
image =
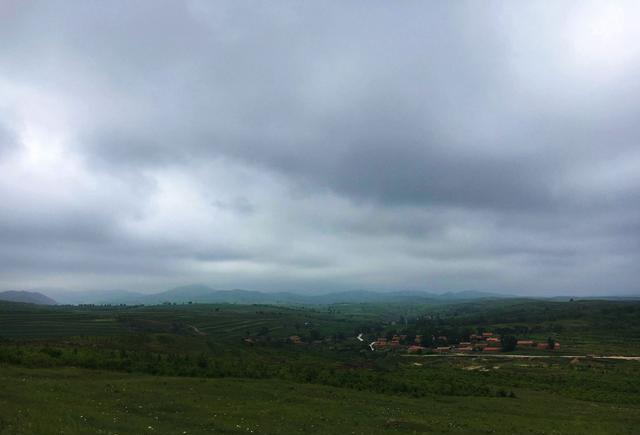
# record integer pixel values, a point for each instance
(378, 378)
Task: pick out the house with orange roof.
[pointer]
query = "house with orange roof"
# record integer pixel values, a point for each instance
(526, 343)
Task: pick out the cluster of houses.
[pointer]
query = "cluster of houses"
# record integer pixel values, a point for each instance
(394, 343)
(485, 342)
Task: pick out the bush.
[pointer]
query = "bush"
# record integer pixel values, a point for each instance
(509, 343)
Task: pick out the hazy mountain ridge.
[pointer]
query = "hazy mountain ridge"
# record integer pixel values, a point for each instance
(205, 294)
(26, 297)
(93, 297)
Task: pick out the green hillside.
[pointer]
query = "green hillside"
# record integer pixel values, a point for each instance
(227, 368)
(73, 401)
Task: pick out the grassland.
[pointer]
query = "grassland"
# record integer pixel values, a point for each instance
(73, 401)
(230, 369)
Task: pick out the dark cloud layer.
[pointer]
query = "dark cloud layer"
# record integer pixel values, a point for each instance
(440, 146)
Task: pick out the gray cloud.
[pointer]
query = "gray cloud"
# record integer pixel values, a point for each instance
(8, 140)
(428, 145)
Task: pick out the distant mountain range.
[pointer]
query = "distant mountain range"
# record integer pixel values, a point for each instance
(92, 297)
(26, 297)
(199, 293)
(205, 294)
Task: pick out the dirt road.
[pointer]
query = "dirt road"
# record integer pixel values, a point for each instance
(484, 355)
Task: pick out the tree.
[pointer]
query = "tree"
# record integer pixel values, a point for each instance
(202, 361)
(551, 343)
(509, 343)
(314, 335)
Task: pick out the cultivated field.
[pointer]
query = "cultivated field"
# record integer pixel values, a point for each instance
(224, 368)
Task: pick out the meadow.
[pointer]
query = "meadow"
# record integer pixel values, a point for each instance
(225, 368)
(75, 401)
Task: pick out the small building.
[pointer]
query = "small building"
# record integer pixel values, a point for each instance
(487, 334)
(415, 349)
(295, 339)
(526, 343)
(491, 349)
(465, 349)
(442, 349)
(381, 342)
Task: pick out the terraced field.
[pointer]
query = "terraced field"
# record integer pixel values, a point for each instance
(57, 323)
(220, 322)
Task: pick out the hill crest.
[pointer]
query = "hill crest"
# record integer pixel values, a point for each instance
(26, 297)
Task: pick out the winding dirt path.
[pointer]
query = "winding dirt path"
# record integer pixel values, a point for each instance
(196, 330)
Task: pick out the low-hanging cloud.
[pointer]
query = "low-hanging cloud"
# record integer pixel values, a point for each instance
(299, 146)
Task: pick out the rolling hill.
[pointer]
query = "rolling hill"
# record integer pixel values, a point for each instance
(27, 297)
(201, 293)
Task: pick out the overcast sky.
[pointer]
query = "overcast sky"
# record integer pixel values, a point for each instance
(320, 146)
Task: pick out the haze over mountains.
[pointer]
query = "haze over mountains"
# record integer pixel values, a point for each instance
(205, 294)
(26, 297)
(200, 293)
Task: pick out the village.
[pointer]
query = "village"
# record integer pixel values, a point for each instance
(484, 342)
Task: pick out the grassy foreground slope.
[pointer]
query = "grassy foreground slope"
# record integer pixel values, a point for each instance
(222, 368)
(75, 401)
